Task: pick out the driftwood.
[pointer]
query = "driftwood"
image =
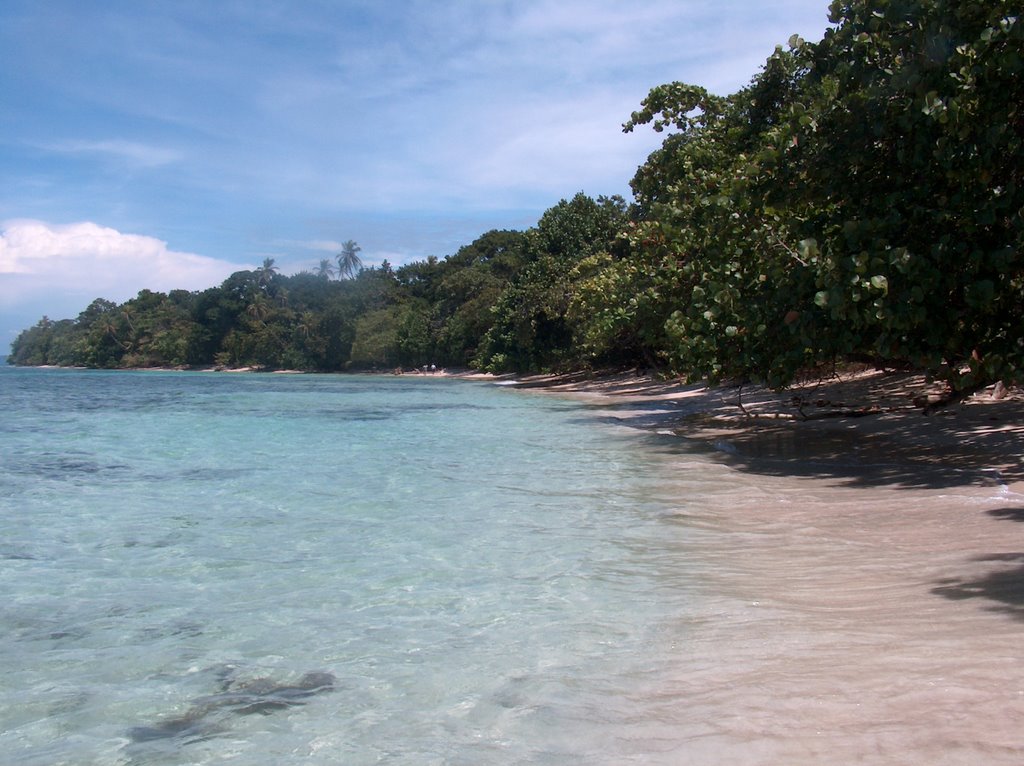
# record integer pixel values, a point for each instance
(927, 404)
(933, 404)
(801, 415)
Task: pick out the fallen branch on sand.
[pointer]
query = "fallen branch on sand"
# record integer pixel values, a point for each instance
(801, 402)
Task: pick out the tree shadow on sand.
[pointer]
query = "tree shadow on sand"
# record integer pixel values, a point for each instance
(905, 450)
(1009, 514)
(1003, 586)
(864, 431)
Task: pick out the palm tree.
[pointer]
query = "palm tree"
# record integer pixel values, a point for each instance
(307, 324)
(265, 274)
(110, 327)
(326, 269)
(258, 309)
(348, 262)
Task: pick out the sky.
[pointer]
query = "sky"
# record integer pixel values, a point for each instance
(164, 144)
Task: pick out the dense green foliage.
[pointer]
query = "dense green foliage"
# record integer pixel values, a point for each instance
(861, 198)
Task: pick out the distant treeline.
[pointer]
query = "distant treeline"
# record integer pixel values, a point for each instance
(861, 198)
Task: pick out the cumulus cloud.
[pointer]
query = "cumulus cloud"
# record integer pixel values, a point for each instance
(41, 261)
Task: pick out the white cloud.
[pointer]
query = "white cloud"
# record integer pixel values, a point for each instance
(544, 148)
(495, 106)
(130, 152)
(322, 245)
(41, 261)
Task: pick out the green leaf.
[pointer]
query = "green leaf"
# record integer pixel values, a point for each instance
(807, 248)
(981, 293)
(932, 102)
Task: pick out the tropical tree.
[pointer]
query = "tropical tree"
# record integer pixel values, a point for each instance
(375, 344)
(258, 308)
(326, 269)
(266, 273)
(349, 262)
(464, 289)
(532, 327)
(100, 323)
(32, 346)
(860, 198)
(903, 163)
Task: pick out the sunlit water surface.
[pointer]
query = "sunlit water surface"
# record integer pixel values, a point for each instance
(261, 569)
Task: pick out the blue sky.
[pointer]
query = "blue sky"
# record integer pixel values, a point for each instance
(164, 144)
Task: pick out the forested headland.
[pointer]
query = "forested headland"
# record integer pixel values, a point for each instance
(862, 198)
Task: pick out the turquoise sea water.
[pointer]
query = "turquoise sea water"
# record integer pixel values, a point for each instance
(263, 569)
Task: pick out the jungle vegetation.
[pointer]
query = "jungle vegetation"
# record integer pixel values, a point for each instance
(862, 198)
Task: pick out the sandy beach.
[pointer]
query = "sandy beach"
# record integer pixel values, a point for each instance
(859, 420)
(874, 572)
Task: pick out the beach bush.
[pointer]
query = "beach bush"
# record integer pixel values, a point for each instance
(861, 197)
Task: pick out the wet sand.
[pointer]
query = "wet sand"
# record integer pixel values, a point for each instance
(865, 584)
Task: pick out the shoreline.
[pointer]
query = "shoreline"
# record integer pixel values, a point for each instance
(865, 573)
(857, 420)
(861, 422)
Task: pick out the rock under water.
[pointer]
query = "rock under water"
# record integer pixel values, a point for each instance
(242, 697)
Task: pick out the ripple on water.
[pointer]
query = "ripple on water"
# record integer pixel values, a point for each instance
(487, 577)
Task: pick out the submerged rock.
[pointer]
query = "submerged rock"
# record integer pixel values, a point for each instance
(259, 695)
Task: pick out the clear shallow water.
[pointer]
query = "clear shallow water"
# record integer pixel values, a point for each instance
(487, 576)
(200, 568)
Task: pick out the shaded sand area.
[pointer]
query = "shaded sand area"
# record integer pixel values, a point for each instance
(868, 427)
(862, 597)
